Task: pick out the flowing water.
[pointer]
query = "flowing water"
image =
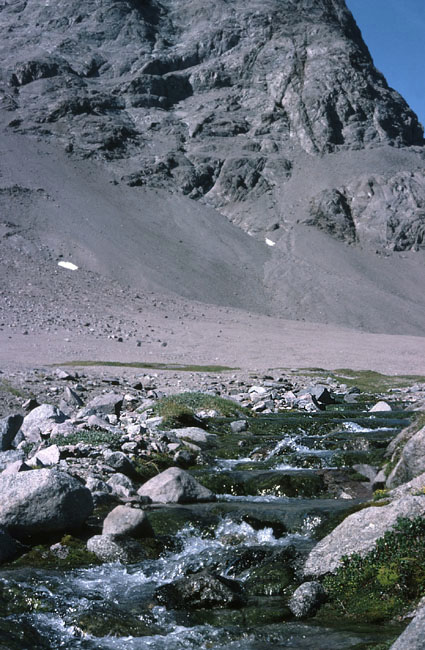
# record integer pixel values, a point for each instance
(279, 490)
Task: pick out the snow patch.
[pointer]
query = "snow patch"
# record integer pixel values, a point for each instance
(269, 242)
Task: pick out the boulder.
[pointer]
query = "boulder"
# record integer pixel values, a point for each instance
(121, 486)
(200, 437)
(411, 462)
(42, 501)
(322, 395)
(238, 426)
(109, 548)
(9, 427)
(9, 457)
(380, 407)
(123, 520)
(46, 457)
(358, 533)
(201, 590)
(174, 485)
(40, 420)
(120, 463)
(106, 404)
(307, 599)
(413, 637)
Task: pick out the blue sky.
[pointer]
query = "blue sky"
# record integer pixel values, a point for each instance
(394, 31)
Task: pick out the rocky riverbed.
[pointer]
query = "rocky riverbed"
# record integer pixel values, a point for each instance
(195, 510)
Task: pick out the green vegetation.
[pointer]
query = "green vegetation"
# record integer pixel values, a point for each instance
(147, 365)
(180, 409)
(6, 387)
(89, 437)
(148, 468)
(386, 582)
(71, 554)
(370, 381)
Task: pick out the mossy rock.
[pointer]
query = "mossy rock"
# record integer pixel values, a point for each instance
(294, 484)
(169, 520)
(15, 599)
(147, 468)
(270, 579)
(104, 619)
(180, 409)
(70, 553)
(265, 612)
(24, 635)
(387, 582)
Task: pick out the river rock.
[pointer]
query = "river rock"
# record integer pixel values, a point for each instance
(411, 463)
(175, 485)
(306, 599)
(200, 437)
(110, 548)
(121, 486)
(201, 590)
(413, 637)
(41, 501)
(9, 427)
(358, 533)
(123, 520)
(322, 395)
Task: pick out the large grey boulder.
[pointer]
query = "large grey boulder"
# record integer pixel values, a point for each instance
(41, 501)
(413, 637)
(358, 533)
(174, 485)
(200, 437)
(45, 457)
(9, 427)
(110, 548)
(124, 520)
(411, 462)
(121, 486)
(40, 421)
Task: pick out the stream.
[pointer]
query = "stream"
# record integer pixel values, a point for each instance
(281, 486)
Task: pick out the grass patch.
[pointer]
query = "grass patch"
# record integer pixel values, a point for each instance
(180, 410)
(146, 365)
(368, 381)
(385, 583)
(7, 387)
(89, 437)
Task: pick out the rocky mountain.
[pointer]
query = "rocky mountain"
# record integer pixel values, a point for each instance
(270, 114)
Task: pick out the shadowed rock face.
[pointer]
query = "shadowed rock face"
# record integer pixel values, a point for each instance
(270, 113)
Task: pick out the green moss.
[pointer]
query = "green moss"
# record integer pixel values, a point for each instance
(269, 579)
(265, 613)
(180, 409)
(105, 619)
(266, 483)
(90, 437)
(148, 468)
(385, 583)
(378, 495)
(72, 555)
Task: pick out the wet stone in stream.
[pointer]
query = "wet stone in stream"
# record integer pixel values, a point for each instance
(218, 574)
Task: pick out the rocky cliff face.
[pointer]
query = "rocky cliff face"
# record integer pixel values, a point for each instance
(271, 112)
